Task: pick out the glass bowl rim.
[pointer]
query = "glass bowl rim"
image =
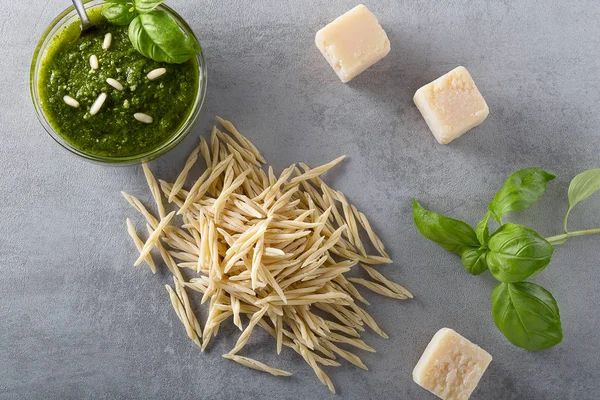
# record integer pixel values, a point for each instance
(183, 130)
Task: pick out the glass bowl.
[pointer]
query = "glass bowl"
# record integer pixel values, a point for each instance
(66, 18)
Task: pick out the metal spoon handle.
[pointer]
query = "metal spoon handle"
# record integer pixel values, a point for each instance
(85, 21)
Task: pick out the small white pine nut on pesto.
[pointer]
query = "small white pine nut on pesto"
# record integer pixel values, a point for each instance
(94, 62)
(71, 101)
(156, 73)
(107, 41)
(115, 83)
(98, 104)
(145, 118)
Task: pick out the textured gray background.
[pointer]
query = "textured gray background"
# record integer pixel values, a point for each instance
(78, 321)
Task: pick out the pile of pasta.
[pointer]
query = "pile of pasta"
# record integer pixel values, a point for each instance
(272, 248)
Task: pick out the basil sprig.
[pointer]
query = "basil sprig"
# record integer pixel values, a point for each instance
(525, 313)
(154, 33)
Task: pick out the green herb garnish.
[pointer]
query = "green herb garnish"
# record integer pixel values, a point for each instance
(526, 313)
(154, 33)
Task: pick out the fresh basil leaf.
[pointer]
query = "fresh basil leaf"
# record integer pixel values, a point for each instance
(120, 2)
(193, 44)
(474, 260)
(483, 230)
(119, 14)
(582, 186)
(453, 235)
(145, 6)
(521, 189)
(527, 315)
(157, 35)
(517, 252)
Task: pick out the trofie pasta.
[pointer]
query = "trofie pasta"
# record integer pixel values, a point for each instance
(274, 249)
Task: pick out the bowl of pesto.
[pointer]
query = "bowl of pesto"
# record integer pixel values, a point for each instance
(124, 92)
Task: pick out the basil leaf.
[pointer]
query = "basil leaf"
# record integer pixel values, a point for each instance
(453, 235)
(474, 261)
(582, 186)
(516, 253)
(483, 230)
(521, 189)
(527, 315)
(145, 6)
(118, 14)
(157, 35)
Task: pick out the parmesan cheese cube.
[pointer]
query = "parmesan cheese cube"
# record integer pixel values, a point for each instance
(353, 42)
(451, 366)
(451, 105)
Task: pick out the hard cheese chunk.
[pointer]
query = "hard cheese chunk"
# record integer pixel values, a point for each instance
(451, 105)
(353, 42)
(451, 366)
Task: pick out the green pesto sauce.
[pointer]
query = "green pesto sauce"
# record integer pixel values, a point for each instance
(113, 132)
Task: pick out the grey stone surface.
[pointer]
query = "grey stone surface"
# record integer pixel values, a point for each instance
(77, 321)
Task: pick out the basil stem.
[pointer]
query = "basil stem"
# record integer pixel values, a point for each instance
(560, 239)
